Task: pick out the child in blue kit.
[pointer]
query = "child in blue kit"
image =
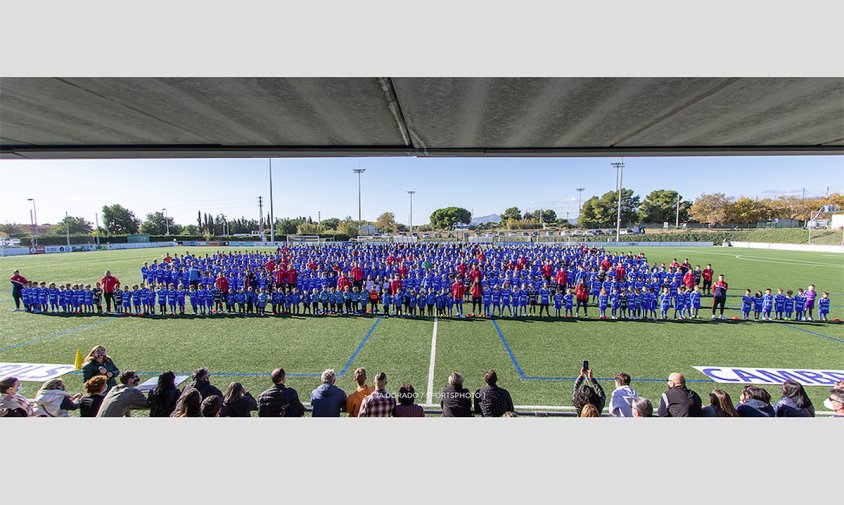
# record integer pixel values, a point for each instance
(163, 294)
(558, 302)
(312, 303)
(788, 304)
(199, 299)
(767, 305)
(171, 298)
(746, 304)
(398, 298)
(523, 302)
(386, 300)
(779, 304)
(603, 299)
(665, 302)
(694, 297)
(261, 302)
(823, 307)
(799, 305)
(506, 295)
(679, 303)
(230, 300)
(496, 301)
(209, 298)
(633, 298)
(569, 301)
(615, 300)
(431, 301)
(181, 294)
(757, 306)
(486, 297)
(193, 296)
(53, 297)
(410, 298)
(622, 303)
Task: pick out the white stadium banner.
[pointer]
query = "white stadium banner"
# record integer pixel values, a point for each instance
(771, 376)
(149, 384)
(33, 372)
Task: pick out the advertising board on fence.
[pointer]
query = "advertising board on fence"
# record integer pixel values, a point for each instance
(33, 372)
(771, 376)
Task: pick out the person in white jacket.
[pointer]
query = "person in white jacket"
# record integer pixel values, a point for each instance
(53, 400)
(622, 397)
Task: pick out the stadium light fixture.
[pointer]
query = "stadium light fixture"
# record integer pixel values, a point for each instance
(272, 210)
(619, 171)
(33, 219)
(411, 210)
(580, 199)
(359, 171)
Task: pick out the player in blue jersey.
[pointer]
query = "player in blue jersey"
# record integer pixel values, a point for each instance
(387, 301)
(694, 299)
(523, 301)
(53, 297)
(767, 305)
(622, 303)
(180, 298)
(163, 295)
(665, 302)
(496, 300)
(193, 297)
(823, 307)
(558, 302)
(544, 296)
(506, 296)
(486, 298)
(261, 302)
(757, 306)
(171, 298)
(312, 302)
(568, 299)
(603, 300)
(789, 304)
(431, 301)
(746, 304)
(779, 304)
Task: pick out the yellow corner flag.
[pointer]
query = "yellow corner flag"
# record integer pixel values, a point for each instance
(78, 363)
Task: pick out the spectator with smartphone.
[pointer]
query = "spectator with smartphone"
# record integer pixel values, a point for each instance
(121, 399)
(99, 363)
(587, 392)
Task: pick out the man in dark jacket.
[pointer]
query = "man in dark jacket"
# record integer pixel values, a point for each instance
(679, 401)
(456, 400)
(491, 400)
(202, 383)
(280, 401)
(328, 400)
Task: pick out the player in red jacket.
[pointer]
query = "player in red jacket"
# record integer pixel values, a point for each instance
(458, 291)
(707, 275)
(562, 277)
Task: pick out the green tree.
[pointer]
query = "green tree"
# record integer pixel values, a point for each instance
(513, 213)
(747, 210)
(287, 226)
(660, 206)
(308, 229)
(710, 208)
(77, 226)
(603, 211)
(348, 227)
(156, 224)
(118, 220)
(331, 223)
(445, 219)
(386, 222)
(14, 230)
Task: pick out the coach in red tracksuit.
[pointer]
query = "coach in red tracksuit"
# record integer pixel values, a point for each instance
(357, 276)
(18, 282)
(109, 282)
(292, 274)
(562, 278)
(707, 279)
(477, 292)
(689, 279)
(222, 283)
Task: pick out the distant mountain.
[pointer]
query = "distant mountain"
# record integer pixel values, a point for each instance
(492, 218)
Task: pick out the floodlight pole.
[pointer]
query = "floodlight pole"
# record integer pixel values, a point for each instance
(619, 166)
(97, 229)
(166, 224)
(580, 199)
(34, 221)
(272, 214)
(677, 221)
(411, 210)
(67, 227)
(359, 171)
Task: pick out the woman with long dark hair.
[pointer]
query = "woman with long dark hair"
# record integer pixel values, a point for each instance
(163, 397)
(191, 404)
(720, 405)
(794, 402)
(237, 402)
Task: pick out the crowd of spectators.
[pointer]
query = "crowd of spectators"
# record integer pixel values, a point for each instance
(200, 398)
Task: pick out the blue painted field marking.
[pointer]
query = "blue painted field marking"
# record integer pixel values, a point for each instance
(57, 334)
(607, 379)
(812, 332)
(360, 346)
(509, 351)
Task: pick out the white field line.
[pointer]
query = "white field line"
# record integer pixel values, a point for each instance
(430, 392)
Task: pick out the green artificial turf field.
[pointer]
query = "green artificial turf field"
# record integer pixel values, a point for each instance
(536, 360)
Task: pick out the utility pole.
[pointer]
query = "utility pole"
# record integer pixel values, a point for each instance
(272, 214)
(261, 217)
(411, 209)
(67, 227)
(359, 171)
(619, 167)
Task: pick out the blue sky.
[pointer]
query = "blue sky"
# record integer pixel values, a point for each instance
(306, 186)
